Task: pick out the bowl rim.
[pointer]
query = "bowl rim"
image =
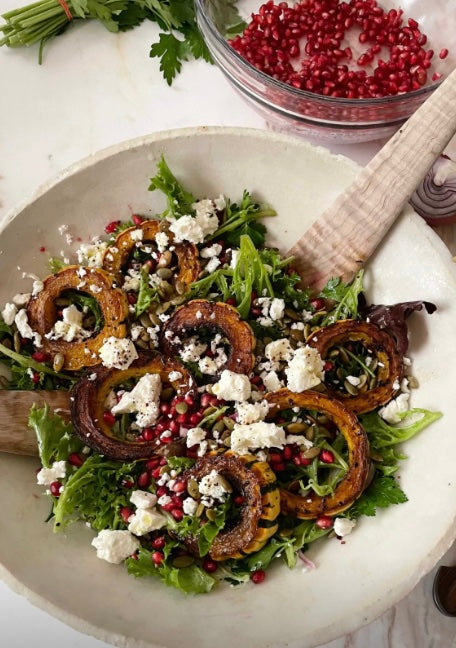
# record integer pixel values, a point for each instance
(70, 618)
(203, 18)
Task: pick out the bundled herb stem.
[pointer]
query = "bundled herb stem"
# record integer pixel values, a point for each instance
(180, 39)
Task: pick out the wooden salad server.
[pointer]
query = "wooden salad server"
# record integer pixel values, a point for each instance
(339, 242)
(343, 238)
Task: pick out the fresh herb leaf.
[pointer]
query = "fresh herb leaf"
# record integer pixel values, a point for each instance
(382, 435)
(346, 295)
(190, 580)
(56, 440)
(56, 264)
(383, 492)
(242, 219)
(172, 52)
(180, 463)
(179, 200)
(146, 294)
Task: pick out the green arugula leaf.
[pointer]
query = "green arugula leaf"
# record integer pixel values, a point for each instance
(87, 303)
(382, 435)
(190, 580)
(146, 294)
(180, 463)
(346, 294)
(305, 533)
(56, 264)
(179, 199)
(56, 439)
(94, 494)
(383, 492)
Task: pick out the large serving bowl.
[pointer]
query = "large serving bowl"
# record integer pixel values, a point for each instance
(384, 557)
(301, 112)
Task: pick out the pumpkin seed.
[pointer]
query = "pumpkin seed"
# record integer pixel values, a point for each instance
(211, 514)
(145, 320)
(285, 533)
(362, 381)
(163, 226)
(183, 561)
(167, 394)
(297, 334)
(350, 388)
(162, 308)
(17, 342)
(267, 340)
(219, 427)
(209, 410)
(320, 314)
(165, 290)
(307, 330)
(344, 356)
(62, 302)
(413, 382)
(225, 484)
(154, 318)
(182, 408)
(142, 344)
(180, 287)
(373, 364)
(228, 422)
(193, 490)
(292, 314)
(340, 373)
(165, 259)
(58, 361)
(375, 456)
(333, 353)
(322, 419)
(319, 388)
(296, 428)
(311, 452)
(178, 300)
(199, 510)
(373, 382)
(145, 336)
(310, 434)
(164, 273)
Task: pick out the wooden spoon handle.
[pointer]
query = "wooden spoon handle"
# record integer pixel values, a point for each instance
(347, 233)
(15, 435)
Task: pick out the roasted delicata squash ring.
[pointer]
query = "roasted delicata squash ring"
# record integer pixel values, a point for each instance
(116, 256)
(390, 367)
(42, 314)
(88, 399)
(256, 482)
(217, 316)
(350, 488)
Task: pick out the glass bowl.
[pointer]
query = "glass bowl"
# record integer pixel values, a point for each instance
(305, 113)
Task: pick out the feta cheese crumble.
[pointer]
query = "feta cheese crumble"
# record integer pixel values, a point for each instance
(251, 412)
(390, 412)
(278, 350)
(143, 499)
(305, 369)
(143, 399)
(24, 328)
(91, 255)
(9, 313)
(343, 526)
(232, 386)
(115, 546)
(214, 486)
(118, 353)
(46, 476)
(262, 435)
(69, 327)
(145, 520)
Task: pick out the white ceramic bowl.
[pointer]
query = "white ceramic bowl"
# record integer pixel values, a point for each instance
(356, 581)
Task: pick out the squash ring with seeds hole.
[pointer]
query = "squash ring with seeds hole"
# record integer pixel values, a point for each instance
(88, 399)
(42, 314)
(390, 367)
(256, 482)
(217, 317)
(311, 505)
(116, 256)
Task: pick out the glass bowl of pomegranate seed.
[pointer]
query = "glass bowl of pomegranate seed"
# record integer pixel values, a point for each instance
(350, 70)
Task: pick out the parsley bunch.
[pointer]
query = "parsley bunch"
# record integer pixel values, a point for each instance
(179, 40)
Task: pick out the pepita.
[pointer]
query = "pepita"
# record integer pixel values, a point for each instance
(142, 344)
(180, 287)
(211, 514)
(62, 302)
(312, 452)
(351, 389)
(165, 259)
(164, 273)
(292, 314)
(344, 356)
(362, 381)
(167, 394)
(199, 510)
(219, 427)
(413, 382)
(373, 382)
(145, 320)
(228, 423)
(333, 353)
(58, 361)
(183, 561)
(296, 428)
(193, 490)
(17, 342)
(310, 434)
(182, 407)
(297, 334)
(375, 456)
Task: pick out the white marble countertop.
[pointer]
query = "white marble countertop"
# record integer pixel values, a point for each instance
(96, 89)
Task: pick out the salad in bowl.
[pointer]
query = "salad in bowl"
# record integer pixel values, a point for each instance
(221, 418)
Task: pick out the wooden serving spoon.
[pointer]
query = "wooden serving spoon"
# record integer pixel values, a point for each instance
(339, 242)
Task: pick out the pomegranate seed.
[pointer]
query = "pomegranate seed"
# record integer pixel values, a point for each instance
(148, 434)
(327, 456)
(180, 487)
(278, 467)
(177, 514)
(127, 483)
(137, 220)
(443, 53)
(158, 543)
(109, 418)
(165, 408)
(161, 490)
(239, 500)
(189, 400)
(275, 457)
(157, 557)
(40, 356)
(205, 400)
(112, 226)
(75, 459)
(132, 298)
(156, 472)
(125, 513)
(304, 461)
(174, 427)
(144, 480)
(318, 304)
(42, 249)
(56, 488)
(436, 76)
(258, 576)
(36, 378)
(287, 453)
(231, 301)
(209, 565)
(194, 419)
(328, 366)
(324, 522)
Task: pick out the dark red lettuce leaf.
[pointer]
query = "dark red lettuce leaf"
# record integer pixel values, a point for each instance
(392, 318)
